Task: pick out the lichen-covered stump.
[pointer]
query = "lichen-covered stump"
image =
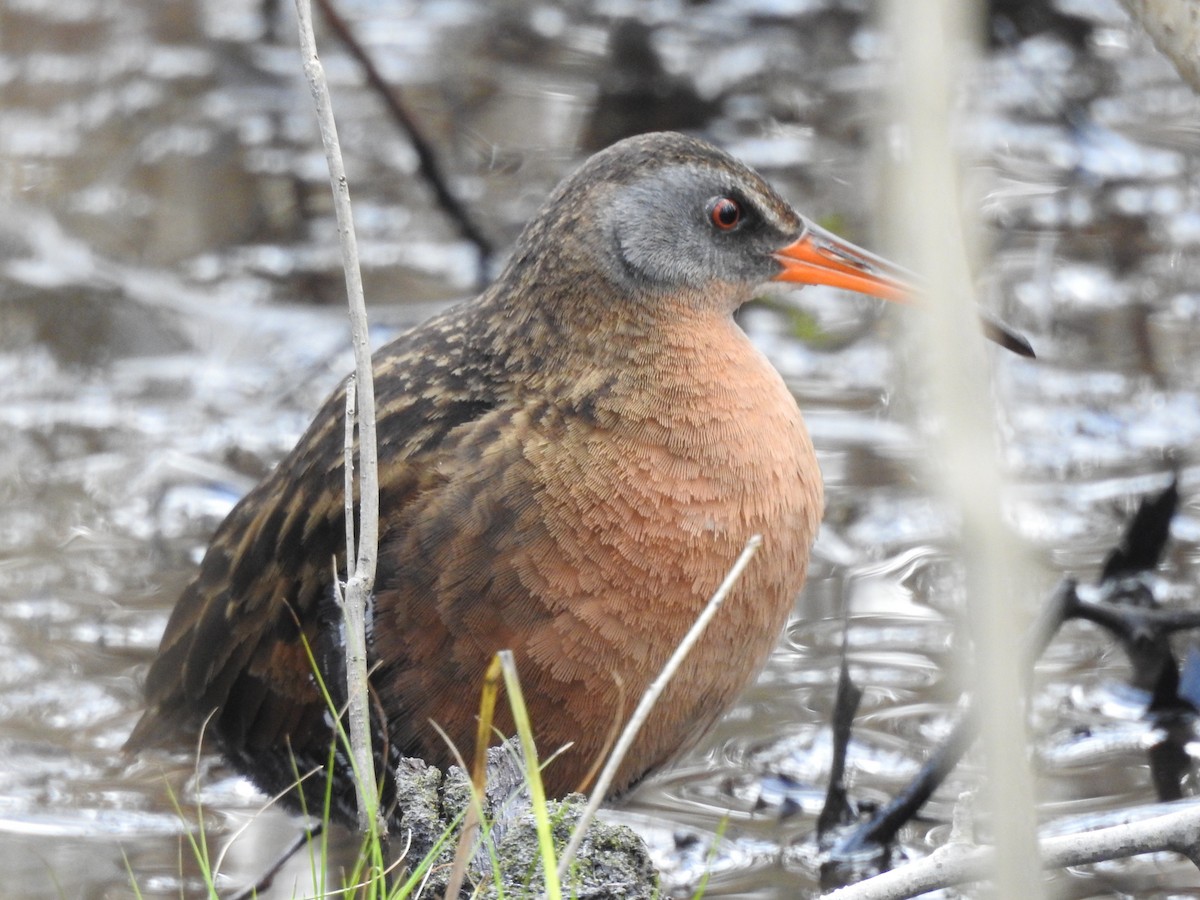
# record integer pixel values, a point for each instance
(613, 861)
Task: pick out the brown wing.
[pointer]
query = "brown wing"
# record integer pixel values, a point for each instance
(231, 648)
(451, 590)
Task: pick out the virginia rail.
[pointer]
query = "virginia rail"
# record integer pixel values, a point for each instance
(569, 463)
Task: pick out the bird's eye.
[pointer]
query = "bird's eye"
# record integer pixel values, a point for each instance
(724, 213)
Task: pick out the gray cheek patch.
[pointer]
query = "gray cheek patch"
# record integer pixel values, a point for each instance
(658, 226)
(662, 232)
(659, 230)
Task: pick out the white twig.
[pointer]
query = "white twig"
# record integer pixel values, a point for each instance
(361, 568)
(649, 698)
(958, 863)
(348, 466)
(1175, 29)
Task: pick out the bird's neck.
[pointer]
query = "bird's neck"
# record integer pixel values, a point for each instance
(690, 371)
(579, 334)
(701, 375)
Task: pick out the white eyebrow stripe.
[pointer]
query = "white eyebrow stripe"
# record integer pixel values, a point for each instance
(777, 221)
(767, 203)
(766, 206)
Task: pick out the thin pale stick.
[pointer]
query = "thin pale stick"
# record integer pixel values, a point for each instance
(958, 863)
(646, 704)
(348, 470)
(360, 569)
(1175, 30)
(937, 235)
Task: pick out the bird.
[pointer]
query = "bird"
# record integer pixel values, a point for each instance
(569, 463)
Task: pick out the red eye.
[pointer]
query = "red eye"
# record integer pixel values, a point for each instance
(724, 213)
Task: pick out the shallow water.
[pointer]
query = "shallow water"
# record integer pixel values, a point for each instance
(169, 318)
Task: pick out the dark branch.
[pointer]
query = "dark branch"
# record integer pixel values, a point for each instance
(1145, 536)
(428, 165)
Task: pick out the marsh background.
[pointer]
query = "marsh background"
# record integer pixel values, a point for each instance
(170, 315)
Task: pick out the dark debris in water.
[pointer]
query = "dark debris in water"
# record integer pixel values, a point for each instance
(837, 811)
(164, 133)
(1142, 544)
(1127, 608)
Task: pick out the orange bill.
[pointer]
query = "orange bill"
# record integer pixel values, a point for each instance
(821, 257)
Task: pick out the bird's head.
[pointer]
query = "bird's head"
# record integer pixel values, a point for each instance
(667, 217)
(664, 213)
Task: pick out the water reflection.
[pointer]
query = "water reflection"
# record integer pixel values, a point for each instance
(166, 261)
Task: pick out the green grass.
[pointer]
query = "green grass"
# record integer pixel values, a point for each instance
(368, 879)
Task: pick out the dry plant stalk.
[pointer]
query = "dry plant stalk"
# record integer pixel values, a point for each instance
(938, 239)
(474, 817)
(360, 567)
(1174, 27)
